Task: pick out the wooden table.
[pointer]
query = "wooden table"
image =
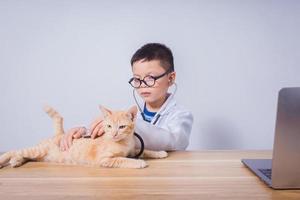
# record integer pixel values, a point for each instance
(183, 175)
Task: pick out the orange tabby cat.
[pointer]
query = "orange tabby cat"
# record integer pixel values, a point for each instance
(109, 150)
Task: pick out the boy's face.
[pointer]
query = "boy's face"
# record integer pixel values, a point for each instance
(159, 90)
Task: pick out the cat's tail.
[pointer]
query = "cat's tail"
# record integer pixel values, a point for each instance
(19, 157)
(57, 119)
(4, 158)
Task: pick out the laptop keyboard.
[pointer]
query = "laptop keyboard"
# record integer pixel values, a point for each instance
(266, 172)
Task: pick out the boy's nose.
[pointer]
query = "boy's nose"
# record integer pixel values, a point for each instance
(143, 85)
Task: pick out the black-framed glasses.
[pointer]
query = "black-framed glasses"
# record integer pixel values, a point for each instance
(147, 80)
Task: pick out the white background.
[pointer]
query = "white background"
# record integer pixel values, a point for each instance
(231, 59)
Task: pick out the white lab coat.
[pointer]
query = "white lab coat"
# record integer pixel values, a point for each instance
(170, 132)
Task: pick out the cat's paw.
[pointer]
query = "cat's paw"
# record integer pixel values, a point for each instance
(16, 161)
(161, 154)
(140, 164)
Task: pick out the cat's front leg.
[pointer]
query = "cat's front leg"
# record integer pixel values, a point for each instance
(122, 162)
(153, 154)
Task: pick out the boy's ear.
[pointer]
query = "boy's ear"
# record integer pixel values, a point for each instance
(172, 77)
(106, 112)
(132, 112)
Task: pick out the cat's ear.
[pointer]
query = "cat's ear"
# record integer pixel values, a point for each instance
(106, 112)
(132, 112)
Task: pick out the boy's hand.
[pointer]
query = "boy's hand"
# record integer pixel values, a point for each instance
(97, 128)
(67, 139)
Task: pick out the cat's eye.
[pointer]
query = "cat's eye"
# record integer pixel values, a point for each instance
(122, 126)
(108, 126)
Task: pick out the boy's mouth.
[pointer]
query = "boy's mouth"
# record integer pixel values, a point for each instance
(145, 94)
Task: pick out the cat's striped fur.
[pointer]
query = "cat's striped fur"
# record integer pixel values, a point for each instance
(109, 150)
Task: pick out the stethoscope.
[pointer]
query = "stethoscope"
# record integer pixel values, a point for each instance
(142, 146)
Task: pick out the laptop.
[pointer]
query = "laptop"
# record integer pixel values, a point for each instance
(283, 170)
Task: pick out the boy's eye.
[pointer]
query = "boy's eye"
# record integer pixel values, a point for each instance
(108, 126)
(121, 127)
(136, 80)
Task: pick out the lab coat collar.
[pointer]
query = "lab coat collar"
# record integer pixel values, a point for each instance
(169, 103)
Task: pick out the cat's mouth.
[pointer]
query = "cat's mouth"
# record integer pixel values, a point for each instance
(117, 138)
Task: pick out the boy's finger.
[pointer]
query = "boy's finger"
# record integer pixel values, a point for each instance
(94, 128)
(70, 139)
(77, 135)
(95, 132)
(93, 135)
(100, 132)
(81, 131)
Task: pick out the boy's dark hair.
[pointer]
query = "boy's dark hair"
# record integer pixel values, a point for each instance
(155, 51)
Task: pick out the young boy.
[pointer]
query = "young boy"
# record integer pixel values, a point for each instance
(163, 124)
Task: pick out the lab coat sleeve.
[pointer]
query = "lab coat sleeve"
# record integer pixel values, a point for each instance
(175, 137)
